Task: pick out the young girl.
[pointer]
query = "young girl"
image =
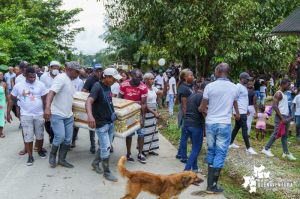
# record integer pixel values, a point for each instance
(261, 122)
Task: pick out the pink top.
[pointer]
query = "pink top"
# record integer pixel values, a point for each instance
(262, 117)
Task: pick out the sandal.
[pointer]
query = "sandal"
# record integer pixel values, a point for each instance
(36, 149)
(153, 153)
(23, 152)
(2, 136)
(198, 171)
(256, 139)
(262, 140)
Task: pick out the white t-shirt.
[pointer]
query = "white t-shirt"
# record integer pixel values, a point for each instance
(21, 77)
(152, 96)
(243, 100)
(171, 82)
(115, 88)
(47, 80)
(297, 102)
(78, 83)
(63, 100)
(263, 89)
(30, 96)
(160, 80)
(221, 94)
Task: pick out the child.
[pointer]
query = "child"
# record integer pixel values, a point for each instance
(296, 114)
(263, 95)
(261, 122)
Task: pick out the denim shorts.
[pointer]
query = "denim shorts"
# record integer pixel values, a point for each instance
(140, 132)
(32, 125)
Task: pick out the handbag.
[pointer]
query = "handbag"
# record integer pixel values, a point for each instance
(114, 115)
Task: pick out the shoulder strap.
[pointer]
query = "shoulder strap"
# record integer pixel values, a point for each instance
(194, 96)
(108, 102)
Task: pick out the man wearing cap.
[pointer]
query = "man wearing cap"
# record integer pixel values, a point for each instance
(243, 103)
(159, 83)
(59, 111)
(99, 108)
(47, 79)
(87, 87)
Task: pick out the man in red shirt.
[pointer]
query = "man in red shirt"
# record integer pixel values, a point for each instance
(135, 90)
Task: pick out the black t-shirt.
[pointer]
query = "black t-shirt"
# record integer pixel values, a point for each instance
(193, 117)
(40, 74)
(100, 108)
(298, 76)
(184, 91)
(250, 96)
(90, 83)
(257, 86)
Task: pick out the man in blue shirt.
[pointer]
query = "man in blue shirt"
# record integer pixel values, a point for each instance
(10, 74)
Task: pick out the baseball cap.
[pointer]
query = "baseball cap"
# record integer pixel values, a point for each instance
(97, 66)
(23, 64)
(245, 75)
(112, 72)
(54, 63)
(74, 65)
(161, 70)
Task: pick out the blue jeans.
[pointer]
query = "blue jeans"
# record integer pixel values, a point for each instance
(140, 132)
(62, 129)
(218, 139)
(171, 103)
(297, 118)
(197, 139)
(257, 95)
(105, 136)
(185, 135)
(262, 98)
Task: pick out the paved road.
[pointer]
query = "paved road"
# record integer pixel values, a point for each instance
(17, 180)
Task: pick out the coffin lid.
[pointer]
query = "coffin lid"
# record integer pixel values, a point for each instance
(118, 103)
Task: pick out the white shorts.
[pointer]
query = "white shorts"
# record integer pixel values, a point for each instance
(32, 125)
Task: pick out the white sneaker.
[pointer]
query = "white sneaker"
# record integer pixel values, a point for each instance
(267, 152)
(251, 151)
(290, 156)
(292, 122)
(233, 146)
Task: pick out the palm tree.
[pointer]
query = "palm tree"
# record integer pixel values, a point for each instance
(124, 46)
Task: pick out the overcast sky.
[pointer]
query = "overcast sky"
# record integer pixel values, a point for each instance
(92, 19)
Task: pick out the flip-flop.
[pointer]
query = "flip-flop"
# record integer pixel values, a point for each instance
(2, 136)
(23, 152)
(153, 153)
(36, 149)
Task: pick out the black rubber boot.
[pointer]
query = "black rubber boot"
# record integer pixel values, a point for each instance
(63, 150)
(297, 132)
(75, 133)
(93, 142)
(214, 177)
(95, 164)
(52, 157)
(107, 174)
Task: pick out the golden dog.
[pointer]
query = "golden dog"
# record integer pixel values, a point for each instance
(163, 186)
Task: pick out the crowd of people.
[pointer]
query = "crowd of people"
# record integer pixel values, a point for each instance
(41, 98)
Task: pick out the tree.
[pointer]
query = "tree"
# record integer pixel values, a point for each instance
(210, 31)
(34, 30)
(124, 45)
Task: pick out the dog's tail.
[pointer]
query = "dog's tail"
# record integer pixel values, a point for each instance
(122, 169)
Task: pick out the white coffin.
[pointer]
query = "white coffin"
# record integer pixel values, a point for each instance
(128, 112)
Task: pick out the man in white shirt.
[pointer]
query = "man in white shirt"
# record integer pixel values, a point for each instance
(172, 93)
(159, 83)
(32, 96)
(115, 88)
(221, 95)
(59, 111)
(23, 66)
(47, 79)
(243, 102)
